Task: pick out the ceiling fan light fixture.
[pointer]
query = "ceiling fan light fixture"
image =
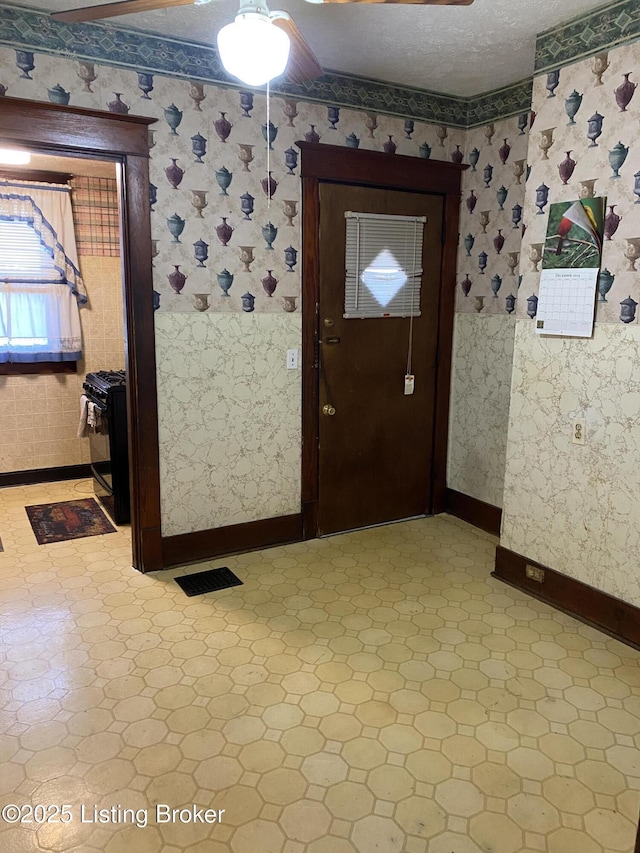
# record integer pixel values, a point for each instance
(14, 157)
(253, 49)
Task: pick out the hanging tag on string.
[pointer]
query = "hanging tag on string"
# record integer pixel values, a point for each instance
(409, 378)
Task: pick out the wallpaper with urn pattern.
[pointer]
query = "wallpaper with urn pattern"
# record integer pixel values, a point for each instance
(572, 507)
(226, 244)
(491, 216)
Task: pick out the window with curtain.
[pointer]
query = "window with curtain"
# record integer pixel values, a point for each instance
(40, 284)
(383, 265)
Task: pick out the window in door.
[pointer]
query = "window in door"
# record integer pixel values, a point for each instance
(383, 265)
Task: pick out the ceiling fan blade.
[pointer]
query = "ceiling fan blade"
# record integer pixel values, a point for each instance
(416, 2)
(303, 64)
(111, 10)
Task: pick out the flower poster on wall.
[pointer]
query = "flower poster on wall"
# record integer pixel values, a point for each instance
(571, 261)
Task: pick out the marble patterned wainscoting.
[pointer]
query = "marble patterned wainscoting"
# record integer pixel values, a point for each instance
(480, 387)
(575, 508)
(229, 418)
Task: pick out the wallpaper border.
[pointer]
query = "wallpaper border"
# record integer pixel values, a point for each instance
(606, 27)
(500, 103)
(32, 29)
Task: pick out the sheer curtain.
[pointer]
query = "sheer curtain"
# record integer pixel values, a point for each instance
(40, 283)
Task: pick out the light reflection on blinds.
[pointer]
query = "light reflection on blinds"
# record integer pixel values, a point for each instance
(22, 255)
(383, 265)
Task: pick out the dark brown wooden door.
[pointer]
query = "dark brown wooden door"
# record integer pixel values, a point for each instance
(376, 451)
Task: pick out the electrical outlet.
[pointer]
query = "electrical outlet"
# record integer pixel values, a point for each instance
(535, 574)
(292, 359)
(578, 431)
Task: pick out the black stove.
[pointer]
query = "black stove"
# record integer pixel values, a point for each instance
(104, 380)
(109, 447)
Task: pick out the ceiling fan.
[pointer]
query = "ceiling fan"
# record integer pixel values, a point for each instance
(258, 46)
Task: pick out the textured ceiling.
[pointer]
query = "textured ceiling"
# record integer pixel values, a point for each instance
(462, 50)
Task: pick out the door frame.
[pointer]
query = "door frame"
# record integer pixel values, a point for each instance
(54, 129)
(321, 163)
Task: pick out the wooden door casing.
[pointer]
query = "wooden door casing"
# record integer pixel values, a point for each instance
(376, 451)
(321, 163)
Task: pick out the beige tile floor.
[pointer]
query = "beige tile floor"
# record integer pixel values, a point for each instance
(375, 692)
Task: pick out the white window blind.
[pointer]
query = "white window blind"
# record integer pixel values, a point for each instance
(27, 269)
(38, 311)
(22, 256)
(383, 265)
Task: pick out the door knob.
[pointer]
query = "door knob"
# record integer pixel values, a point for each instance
(328, 409)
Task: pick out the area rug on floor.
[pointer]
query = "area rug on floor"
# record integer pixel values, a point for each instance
(68, 520)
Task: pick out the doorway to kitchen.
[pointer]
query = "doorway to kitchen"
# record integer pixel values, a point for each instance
(54, 130)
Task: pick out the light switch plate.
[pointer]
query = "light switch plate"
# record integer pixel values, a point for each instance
(292, 359)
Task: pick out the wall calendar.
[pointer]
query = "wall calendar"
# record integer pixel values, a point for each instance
(570, 265)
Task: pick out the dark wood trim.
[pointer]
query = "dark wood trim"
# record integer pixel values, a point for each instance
(611, 615)
(234, 539)
(480, 514)
(50, 128)
(310, 350)
(637, 847)
(142, 399)
(337, 164)
(37, 175)
(446, 313)
(30, 368)
(45, 475)
(309, 519)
